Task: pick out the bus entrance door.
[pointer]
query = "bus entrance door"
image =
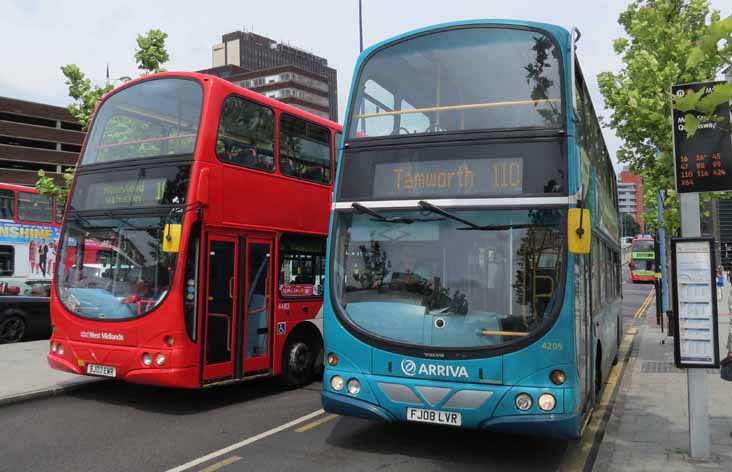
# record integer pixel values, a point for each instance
(257, 311)
(221, 295)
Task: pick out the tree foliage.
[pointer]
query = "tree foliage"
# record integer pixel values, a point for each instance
(660, 34)
(715, 42)
(150, 55)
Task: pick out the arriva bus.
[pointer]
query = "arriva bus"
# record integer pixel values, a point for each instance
(459, 289)
(29, 231)
(642, 259)
(193, 246)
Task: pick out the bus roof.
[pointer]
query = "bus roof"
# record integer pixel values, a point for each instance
(233, 88)
(18, 188)
(557, 31)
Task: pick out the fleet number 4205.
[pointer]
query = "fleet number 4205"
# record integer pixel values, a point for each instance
(552, 346)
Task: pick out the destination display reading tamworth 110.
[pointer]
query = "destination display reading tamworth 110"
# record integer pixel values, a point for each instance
(703, 162)
(453, 177)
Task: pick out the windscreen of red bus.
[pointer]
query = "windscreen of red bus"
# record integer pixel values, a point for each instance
(112, 264)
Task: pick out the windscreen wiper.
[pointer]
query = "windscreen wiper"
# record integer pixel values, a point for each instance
(394, 219)
(470, 225)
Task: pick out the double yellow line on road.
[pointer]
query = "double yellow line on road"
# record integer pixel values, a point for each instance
(644, 306)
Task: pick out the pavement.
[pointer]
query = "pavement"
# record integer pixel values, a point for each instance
(648, 429)
(26, 374)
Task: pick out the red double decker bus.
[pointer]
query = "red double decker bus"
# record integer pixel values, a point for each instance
(193, 245)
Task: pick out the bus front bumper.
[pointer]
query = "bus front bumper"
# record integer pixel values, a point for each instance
(347, 406)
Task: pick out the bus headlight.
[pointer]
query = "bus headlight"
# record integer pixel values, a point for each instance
(523, 401)
(53, 346)
(160, 359)
(354, 386)
(336, 383)
(547, 402)
(147, 359)
(60, 349)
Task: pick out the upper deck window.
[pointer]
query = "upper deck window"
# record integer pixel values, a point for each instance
(246, 134)
(34, 207)
(304, 150)
(460, 79)
(7, 204)
(152, 118)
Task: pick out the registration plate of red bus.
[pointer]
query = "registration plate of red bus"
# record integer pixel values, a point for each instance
(434, 416)
(103, 370)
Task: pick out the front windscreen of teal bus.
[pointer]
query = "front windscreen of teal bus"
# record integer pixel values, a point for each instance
(436, 282)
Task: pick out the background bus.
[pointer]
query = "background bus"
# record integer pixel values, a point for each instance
(193, 248)
(451, 295)
(29, 231)
(642, 259)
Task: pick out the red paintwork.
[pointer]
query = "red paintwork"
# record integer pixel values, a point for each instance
(239, 202)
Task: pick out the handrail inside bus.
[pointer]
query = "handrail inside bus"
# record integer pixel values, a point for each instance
(148, 140)
(490, 332)
(156, 116)
(467, 106)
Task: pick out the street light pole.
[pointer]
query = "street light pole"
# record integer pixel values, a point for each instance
(360, 27)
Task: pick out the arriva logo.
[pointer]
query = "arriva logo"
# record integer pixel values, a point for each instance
(409, 367)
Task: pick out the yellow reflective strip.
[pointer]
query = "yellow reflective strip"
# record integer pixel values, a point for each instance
(467, 106)
(488, 332)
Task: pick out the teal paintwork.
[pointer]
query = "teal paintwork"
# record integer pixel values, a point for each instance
(522, 371)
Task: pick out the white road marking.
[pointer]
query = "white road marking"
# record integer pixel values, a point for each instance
(245, 442)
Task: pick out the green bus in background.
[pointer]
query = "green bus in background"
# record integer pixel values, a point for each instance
(643, 259)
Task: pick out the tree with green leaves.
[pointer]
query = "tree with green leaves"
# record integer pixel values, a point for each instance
(716, 42)
(150, 56)
(660, 34)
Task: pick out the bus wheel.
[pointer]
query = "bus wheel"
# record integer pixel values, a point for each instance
(298, 359)
(12, 329)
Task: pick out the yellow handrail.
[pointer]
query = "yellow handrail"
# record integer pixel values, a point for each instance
(459, 107)
(488, 332)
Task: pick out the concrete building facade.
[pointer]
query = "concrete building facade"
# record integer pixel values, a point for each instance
(630, 195)
(35, 136)
(277, 70)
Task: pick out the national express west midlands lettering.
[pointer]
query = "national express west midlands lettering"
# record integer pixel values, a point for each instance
(463, 178)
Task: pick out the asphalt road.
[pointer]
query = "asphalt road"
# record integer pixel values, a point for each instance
(119, 427)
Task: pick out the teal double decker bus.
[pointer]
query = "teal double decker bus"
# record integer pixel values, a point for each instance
(462, 288)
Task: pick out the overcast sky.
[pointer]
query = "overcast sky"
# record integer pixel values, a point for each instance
(38, 37)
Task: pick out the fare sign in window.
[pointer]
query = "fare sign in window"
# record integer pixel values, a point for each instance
(703, 162)
(448, 178)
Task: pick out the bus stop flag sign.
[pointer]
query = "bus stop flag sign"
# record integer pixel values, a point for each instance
(703, 162)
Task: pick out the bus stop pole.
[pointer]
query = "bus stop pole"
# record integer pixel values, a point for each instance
(662, 239)
(696, 379)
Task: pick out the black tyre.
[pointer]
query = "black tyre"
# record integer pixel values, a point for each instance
(298, 359)
(12, 329)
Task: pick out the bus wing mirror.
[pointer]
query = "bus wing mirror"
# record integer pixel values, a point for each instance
(171, 237)
(203, 187)
(579, 230)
